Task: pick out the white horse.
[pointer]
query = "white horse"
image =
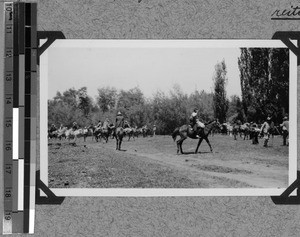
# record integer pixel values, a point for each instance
(61, 132)
(71, 134)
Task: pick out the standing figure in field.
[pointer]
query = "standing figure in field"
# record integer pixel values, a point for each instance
(265, 131)
(154, 130)
(254, 132)
(285, 130)
(236, 128)
(119, 132)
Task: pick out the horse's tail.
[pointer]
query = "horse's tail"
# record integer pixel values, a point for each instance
(175, 133)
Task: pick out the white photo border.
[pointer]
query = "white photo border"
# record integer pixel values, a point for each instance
(125, 192)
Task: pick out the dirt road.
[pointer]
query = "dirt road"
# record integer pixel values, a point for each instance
(152, 162)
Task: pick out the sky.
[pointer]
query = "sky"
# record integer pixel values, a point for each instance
(149, 68)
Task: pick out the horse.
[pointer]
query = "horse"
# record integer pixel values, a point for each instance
(245, 129)
(229, 130)
(87, 131)
(146, 131)
(224, 129)
(106, 132)
(235, 130)
(138, 131)
(130, 132)
(119, 133)
(185, 131)
(74, 134)
(61, 132)
(97, 133)
(52, 134)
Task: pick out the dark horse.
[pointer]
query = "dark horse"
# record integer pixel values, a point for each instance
(185, 131)
(106, 132)
(119, 137)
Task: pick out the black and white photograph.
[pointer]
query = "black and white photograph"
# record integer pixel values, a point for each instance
(169, 115)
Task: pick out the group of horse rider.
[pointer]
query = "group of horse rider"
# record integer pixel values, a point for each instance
(266, 129)
(120, 122)
(195, 124)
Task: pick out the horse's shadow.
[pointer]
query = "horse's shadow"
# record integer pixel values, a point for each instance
(199, 152)
(122, 150)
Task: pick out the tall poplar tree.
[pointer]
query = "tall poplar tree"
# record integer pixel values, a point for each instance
(220, 101)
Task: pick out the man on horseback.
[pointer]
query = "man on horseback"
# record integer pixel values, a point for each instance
(195, 122)
(119, 133)
(52, 128)
(126, 124)
(106, 123)
(99, 125)
(75, 126)
(120, 120)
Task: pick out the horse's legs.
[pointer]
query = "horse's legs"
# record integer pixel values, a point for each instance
(179, 144)
(199, 143)
(117, 144)
(120, 142)
(206, 139)
(178, 147)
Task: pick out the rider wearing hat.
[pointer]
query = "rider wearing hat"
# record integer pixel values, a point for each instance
(75, 126)
(194, 121)
(106, 123)
(99, 124)
(119, 120)
(52, 128)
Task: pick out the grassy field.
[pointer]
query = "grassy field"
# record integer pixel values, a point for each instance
(152, 162)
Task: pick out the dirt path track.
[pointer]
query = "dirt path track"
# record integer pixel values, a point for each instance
(153, 163)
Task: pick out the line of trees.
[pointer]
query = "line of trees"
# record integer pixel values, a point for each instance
(264, 77)
(165, 110)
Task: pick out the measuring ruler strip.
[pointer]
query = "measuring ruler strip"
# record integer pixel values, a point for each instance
(28, 125)
(15, 120)
(15, 115)
(18, 115)
(8, 117)
(33, 121)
